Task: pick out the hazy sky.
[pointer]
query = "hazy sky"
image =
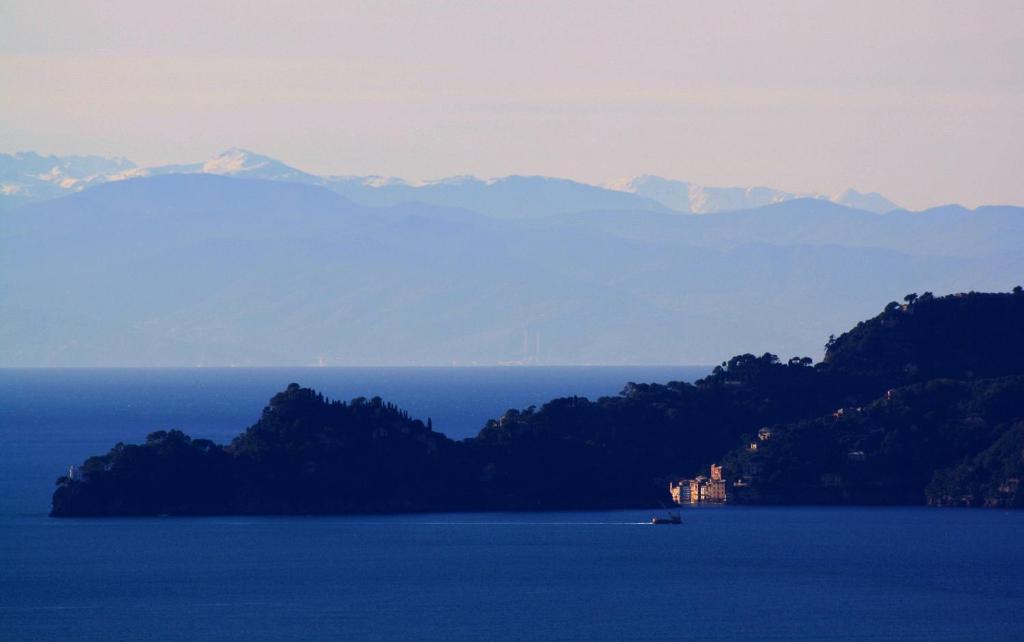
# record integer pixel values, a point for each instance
(922, 101)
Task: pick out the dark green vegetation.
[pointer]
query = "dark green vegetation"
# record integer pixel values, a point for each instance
(935, 414)
(922, 404)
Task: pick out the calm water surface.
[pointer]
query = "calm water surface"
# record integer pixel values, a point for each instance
(726, 574)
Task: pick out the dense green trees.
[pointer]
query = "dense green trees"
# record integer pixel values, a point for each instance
(950, 368)
(963, 336)
(899, 449)
(306, 454)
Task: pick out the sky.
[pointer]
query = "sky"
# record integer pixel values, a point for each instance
(921, 101)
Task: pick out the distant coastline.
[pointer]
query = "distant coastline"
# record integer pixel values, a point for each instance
(248, 270)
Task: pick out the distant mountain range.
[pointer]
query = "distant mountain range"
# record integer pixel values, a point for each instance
(27, 177)
(206, 269)
(698, 199)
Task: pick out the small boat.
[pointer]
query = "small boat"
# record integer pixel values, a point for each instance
(671, 518)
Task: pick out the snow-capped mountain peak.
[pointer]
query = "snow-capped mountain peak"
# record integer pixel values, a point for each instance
(699, 199)
(871, 201)
(236, 161)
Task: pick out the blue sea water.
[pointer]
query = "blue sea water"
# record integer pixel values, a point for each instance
(728, 573)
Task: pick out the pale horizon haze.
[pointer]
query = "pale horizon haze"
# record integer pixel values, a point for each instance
(921, 101)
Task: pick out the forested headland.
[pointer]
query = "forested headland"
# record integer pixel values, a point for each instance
(922, 404)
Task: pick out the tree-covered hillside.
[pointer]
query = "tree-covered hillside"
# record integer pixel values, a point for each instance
(944, 430)
(965, 336)
(899, 449)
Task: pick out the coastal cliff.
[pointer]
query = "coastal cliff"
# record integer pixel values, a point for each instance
(924, 403)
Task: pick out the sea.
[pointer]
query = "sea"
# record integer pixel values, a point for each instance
(725, 573)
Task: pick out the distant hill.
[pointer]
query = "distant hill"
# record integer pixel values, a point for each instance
(194, 269)
(943, 231)
(509, 197)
